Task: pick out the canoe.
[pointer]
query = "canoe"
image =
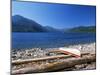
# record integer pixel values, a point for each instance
(72, 51)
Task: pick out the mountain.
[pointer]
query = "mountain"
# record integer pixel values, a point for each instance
(82, 29)
(51, 29)
(22, 24)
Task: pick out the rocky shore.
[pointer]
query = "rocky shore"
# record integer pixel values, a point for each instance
(43, 52)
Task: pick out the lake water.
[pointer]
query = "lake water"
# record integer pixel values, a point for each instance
(33, 40)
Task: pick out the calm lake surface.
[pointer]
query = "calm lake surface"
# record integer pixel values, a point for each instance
(33, 40)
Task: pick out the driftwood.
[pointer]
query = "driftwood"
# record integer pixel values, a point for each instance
(17, 62)
(57, 65)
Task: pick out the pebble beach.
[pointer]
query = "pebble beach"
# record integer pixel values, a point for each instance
(43, 52)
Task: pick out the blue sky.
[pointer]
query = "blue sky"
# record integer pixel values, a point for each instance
(56, 15)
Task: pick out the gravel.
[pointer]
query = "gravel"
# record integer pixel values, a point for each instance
(43, 52)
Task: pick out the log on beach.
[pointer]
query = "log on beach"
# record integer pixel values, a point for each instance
(56, 66)
(18, 62)
(25, 61)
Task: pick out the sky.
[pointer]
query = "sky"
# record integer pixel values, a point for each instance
(56, 15)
